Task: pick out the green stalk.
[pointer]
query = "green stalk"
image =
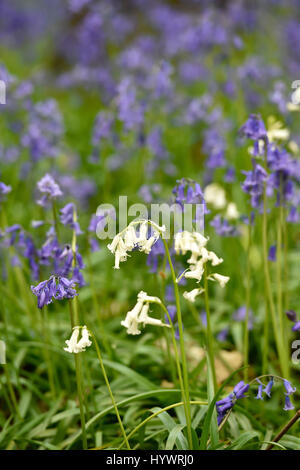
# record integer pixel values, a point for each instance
(266, 340)
(285, 261)
(74, 321)
(278, 341)
(177, 359)
(246, 326)
(97, 306)
(167, 339)
(209, 336)
(110, 390)
(55, 218)
(186, 394)
(279, 284)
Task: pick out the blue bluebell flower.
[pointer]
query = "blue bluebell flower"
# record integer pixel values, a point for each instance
(288, 387)
(254, 128)
(268, 388)
(54, 288)
(288, 404)
(259, 395)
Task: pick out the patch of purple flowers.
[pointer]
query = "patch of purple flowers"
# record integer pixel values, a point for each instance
(54, 288)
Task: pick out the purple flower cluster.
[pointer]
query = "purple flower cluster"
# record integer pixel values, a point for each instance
(44, 130)
(227, 403)
(58, 288)
(130, 110)
(188, 191)
(223, 228)
(254, 183)
(283, 171)
(289, 390)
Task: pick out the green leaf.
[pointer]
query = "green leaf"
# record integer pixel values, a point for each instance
(290, 442)
(242, 440)
(170, 424)
(173, 436)
(131, 374)
(141, 396)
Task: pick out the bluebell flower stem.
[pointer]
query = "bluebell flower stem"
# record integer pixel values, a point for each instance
(177, 360)
(279, 289)
(167, 339)
(110, 390)
(74, 321)
(55, 218)
(265, 339)
(209, 335)
(268, 288)
(97, 307)
(246, 326)
(285, 261)
(182, 350)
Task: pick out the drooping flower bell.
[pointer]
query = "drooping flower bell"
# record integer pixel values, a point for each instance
(129, 239)
(139, 314)
(75, 346)
(195, 243)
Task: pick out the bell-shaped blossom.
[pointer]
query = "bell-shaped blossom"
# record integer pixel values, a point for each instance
(130, 238)
(222, 280)
(288, 406)
(191, 296)
(139, 314)
(75, 346)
